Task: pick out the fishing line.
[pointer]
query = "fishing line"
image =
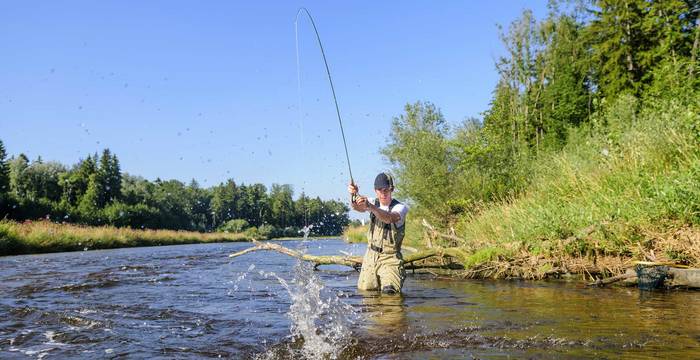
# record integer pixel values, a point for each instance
(330, 80)
(300, 119)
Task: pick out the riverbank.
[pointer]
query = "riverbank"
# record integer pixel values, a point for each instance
(593, 208)
(604, 201)
(33, 237)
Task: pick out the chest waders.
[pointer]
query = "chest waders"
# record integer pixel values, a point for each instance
(382, 237)
(382, 265)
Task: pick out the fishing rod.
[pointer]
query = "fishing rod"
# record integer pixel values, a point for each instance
(330, 80)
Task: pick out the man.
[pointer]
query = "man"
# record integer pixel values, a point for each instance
(382, 265)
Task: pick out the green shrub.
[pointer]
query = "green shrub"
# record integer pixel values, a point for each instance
(234, 226)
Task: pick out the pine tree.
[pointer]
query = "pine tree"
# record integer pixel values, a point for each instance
(4, 171)
(75, 183)
(92, 201)
(111, 176)
(18, 176)
(620, 46)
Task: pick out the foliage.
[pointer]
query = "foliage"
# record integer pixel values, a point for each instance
(4, 171)
(637, 181)
(235, 225)
(95, 192)
(419, 148)
(593, 122)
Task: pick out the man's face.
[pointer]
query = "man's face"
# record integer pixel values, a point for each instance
(384, 195)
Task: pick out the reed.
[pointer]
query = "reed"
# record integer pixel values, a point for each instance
(45, 236)
(355, 234)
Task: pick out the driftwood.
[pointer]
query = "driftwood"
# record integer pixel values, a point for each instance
(354, 261)
(613, 279)
(436, 233)
(677, 277)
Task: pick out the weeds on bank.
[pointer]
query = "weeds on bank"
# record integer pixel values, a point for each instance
(46, 236)
(355, 234)
(606, 199)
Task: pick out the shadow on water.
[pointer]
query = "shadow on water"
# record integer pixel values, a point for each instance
(191, 301)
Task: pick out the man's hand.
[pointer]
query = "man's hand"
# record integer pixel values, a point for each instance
(353, 189)
(360, 204)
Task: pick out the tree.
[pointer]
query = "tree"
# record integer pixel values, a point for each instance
(199, 200)
(281, 205)
(111, 176)
(93, 200)
(18, 176)
(170, 198)
(5, 198)
(223, 202)
(4, 172)
(75, 182)
(619, 46)
(43, 180)
(562, 100)
(418, 151)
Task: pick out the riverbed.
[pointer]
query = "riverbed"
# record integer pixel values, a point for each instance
(192, 301)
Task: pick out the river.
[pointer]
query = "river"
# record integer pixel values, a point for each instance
(192, 301)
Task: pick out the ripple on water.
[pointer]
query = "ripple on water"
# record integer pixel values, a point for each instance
(193, 302)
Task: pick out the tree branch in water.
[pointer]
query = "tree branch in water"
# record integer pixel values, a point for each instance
(352, 261)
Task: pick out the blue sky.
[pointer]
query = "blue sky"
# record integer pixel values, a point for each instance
(208, 90)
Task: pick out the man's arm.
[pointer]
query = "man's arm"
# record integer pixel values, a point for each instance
(384, 215)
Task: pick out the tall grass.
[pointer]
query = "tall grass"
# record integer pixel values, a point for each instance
(631, 185)
(45, 236)
(355, 234)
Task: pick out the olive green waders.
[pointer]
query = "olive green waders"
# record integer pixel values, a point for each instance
(382, 265)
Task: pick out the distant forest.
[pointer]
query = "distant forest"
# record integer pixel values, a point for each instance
(94, 191)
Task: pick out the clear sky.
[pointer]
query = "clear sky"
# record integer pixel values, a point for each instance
(208, 90)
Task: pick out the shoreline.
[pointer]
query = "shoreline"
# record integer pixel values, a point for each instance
(44, 237)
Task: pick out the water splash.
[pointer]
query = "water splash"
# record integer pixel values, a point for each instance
(306, 230)
(319, 318)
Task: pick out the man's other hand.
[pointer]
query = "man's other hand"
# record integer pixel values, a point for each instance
(353, 189)
(361, 203)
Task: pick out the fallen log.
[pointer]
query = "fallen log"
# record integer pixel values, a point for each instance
(436, 233)
(613, 279)
(677, 278)
(352, 261)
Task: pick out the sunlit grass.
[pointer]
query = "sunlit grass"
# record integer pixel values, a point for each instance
(355, 234)
(624, 195)
(46, 236)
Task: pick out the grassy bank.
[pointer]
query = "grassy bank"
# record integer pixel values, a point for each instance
(355, 234)
(45, 236)
(632, 193)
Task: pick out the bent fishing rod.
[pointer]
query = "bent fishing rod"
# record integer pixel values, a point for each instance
(330, 81)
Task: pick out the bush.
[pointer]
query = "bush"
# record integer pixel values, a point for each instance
(135, 216)
(234, 226)
(10, 243)
(267, 231)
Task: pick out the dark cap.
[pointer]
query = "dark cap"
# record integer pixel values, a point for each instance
(383, 180)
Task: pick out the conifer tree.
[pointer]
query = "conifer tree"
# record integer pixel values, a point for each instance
(4, 171)
(111, 177)
(18, 176)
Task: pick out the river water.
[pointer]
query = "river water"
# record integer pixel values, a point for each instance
(192, 301)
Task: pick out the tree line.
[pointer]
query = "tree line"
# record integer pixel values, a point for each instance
(558, 79)
(94, 191)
